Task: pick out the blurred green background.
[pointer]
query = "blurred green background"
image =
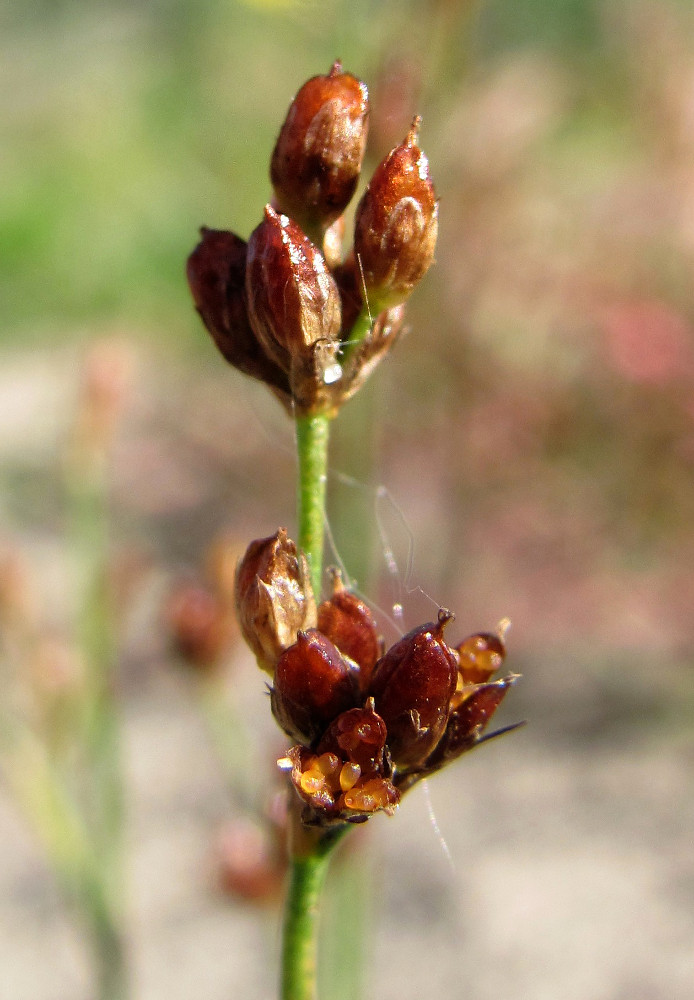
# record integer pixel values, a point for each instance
(530, 443)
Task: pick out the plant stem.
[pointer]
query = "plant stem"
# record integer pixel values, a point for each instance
(108, 944)
(360, 330)
(310, 850)
(312, 434)
(301, 917)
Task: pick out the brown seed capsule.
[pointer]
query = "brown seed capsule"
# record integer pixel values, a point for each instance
(359, 735)
(317, 158)
(293, 302)
(274, 598)
(396, 225)
(347, 621)
(412, 686)
(216, 272)
(313, 684)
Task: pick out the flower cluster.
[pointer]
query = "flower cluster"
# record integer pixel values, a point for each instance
(285, 307)
(367, 722)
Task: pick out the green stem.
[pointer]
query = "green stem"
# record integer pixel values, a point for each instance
(108, 944)
(302, 917)
(360, 330)
(312, 435)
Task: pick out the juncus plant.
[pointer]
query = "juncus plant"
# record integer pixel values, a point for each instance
(292, 308)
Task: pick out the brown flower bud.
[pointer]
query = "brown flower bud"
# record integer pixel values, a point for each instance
(317, 158)
(293, 302)
(274, 598)
(313, 684)
(396, 225)
(359, 735)
(347, 621)
(216, 272)
(412, 686)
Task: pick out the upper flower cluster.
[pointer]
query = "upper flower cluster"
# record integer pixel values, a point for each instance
(367, 723)
(285, 307)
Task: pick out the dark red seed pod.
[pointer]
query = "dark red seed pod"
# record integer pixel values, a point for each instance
(412, 686)
(396, 225)
(313, 684)
(359, 735)
(293, 301)
(347, 621)
(317, 158)
(216, 272)
(274, 597)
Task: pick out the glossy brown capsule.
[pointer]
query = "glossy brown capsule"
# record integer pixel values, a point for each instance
(319, 151)
(274, 597)
(216, 272)
(396, 225)
(313, 684)
(293, 301)
(412, 686)
(347, 621)
(359, 736)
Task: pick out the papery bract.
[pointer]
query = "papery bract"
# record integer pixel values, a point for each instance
(274, 597)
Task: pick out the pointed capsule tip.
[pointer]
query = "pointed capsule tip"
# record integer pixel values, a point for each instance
(412, 135)
(445, 616)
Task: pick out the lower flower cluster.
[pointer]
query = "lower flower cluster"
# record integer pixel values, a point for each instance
(367, 722)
